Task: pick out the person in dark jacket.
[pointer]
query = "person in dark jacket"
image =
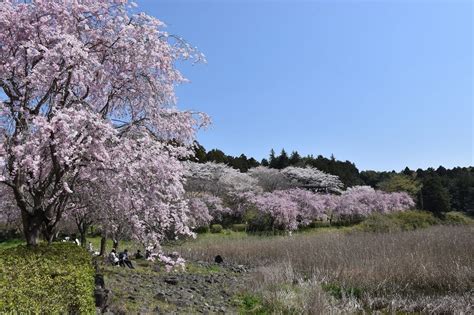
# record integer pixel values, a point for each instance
(124, 260)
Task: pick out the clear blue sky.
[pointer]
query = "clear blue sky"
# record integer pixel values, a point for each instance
(384, 84)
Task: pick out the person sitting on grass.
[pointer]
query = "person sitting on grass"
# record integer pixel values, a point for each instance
(113, 259)
(138, 254)
(124, 260)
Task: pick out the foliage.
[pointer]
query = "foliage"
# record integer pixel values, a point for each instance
(216, 228)
(379, 223)
(400, 221)
(457, 218)
(434, 196)
(239, 227)
(202, 229)
(251, 304)
(401, 182)
(47, 279)
(256, 220)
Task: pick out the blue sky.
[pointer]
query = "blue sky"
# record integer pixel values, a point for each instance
(384, 84)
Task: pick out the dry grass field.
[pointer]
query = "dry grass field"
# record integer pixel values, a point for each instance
(427, 270)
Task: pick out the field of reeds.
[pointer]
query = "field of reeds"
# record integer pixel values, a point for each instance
(427, 270)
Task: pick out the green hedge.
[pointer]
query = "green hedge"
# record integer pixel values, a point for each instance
(47, 279)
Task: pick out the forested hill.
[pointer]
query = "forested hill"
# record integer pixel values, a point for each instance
(438, 189)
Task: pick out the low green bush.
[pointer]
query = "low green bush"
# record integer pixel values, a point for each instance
(251, 304)
(379, 223)
(399, 221)
(55, 279)
(457, 218)
(216, 228)
(414, 219)
(239, 227)
(257, 221)
(202, 229)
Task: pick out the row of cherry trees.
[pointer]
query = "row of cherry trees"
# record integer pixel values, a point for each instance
(284, 199)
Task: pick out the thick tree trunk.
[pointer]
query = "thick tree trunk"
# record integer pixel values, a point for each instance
(82, 228)
(103, 242)
(49, 234)
(32, 225)
(83, 238)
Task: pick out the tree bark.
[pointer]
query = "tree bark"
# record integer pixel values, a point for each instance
(49, 233)
(103, 242)
(82, 228)
(32, 226)
(83, 238)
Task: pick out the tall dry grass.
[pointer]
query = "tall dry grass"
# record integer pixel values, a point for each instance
(430, 264)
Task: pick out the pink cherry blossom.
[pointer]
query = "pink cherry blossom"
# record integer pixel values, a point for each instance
(88, 118)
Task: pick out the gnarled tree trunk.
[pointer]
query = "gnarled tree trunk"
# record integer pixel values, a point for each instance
(32, 226)
(103, 242)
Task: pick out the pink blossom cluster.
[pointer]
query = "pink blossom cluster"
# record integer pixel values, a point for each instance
(360, 201)
(205, 208)
(294, 208)
(172, 262)
(88, 118)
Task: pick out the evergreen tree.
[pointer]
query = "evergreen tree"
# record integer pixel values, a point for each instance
(252, 163)
(282, 160)
(200, 153)
(295, 158)
(216, 156)
(272, 159)
(265, 162)
(462, 192)
(435, 197)
(407, 172)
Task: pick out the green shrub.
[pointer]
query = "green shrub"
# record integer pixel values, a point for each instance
(258, 221)
(202, 229)
(251, 304)
(457, 218)
(47, 279)
(399, 221)
(239, 227)
(216, 228)
(319, 224)
(415, 219)
(379, 223)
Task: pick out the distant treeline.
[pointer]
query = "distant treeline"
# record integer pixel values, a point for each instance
(438, 190)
